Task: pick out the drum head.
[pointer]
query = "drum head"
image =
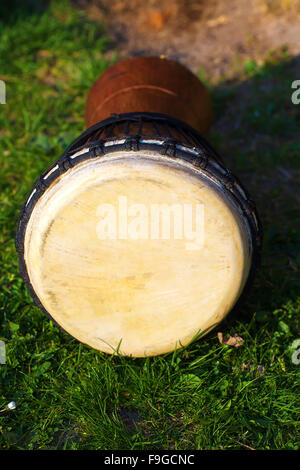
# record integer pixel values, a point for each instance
(136, 251)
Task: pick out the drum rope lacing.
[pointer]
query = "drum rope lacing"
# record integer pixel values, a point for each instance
(99, 140)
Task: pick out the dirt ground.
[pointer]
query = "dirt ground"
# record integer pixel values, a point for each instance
(210, 35)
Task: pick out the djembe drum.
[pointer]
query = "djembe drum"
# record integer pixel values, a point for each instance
(139, 239)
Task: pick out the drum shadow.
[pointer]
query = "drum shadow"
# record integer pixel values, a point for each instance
(9, 11)
(256, 132)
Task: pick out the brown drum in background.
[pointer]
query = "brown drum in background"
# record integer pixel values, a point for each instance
(139, 239)
(150, 84)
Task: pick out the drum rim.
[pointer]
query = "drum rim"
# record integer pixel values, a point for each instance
(197, 156)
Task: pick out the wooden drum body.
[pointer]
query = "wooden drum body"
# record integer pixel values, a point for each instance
(139, 238)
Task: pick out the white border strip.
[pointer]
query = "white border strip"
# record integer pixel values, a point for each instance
(50, 172)
(80, 152)
(28, 200)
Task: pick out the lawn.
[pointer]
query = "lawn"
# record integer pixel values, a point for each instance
(207, 395)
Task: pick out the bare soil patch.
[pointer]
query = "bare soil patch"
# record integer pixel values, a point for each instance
(212, 35)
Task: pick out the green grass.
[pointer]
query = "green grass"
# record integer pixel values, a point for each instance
(207, 396)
